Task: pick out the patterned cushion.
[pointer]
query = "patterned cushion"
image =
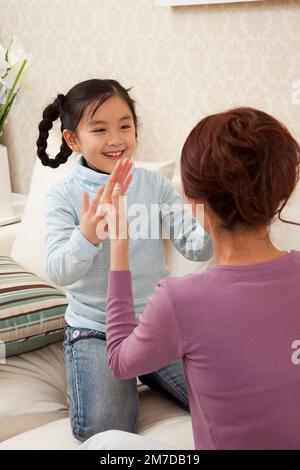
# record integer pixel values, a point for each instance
(31, 311)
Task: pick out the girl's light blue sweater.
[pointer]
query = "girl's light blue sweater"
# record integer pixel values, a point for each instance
(72, 261)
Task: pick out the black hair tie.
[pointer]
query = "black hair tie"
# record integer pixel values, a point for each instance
(61, 99)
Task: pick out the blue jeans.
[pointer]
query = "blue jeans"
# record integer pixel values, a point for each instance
(98, 401)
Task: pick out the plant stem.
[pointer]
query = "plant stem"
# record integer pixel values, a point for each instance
(3, 109)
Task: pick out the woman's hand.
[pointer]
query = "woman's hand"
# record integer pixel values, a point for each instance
(112, 207)
(89, 218)
(111, 202)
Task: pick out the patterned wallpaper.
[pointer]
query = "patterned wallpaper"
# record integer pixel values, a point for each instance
(183, 63)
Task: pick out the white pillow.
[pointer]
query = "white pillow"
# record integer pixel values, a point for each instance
(120, 440)
(28, 249)
(286, 236)
(165, 168)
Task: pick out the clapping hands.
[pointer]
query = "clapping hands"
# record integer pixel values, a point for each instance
(96, 225)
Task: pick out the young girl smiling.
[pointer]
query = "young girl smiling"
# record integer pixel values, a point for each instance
(98, 120)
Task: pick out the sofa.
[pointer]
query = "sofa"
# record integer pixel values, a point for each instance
(33, 398)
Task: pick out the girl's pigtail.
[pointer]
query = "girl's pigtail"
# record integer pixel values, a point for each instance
(51, 113)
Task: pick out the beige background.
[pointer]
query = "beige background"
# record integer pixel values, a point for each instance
(183, 63)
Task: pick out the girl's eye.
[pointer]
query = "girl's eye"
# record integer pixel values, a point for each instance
(99, 130)
(126, 127)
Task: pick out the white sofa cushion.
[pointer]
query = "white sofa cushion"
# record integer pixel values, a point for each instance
(56, 435)
(37, 418)
(170, 427)
(32, 391)
(120, 440)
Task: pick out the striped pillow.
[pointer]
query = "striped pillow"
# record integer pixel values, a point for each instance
(31, 311)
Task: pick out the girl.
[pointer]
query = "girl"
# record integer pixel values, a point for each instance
(236, 325)
(98, 120)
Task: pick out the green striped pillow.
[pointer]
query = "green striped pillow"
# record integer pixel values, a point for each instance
(31, 311)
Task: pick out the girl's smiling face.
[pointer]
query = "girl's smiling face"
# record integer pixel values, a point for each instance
(105, 137)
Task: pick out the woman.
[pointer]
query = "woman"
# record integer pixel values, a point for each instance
(234, 324)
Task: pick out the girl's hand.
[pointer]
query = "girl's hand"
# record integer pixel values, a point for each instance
(121, 174)
(111, 202)
(117, 220)
(89, 218)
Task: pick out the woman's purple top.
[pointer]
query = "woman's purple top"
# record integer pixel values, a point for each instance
(237, 329)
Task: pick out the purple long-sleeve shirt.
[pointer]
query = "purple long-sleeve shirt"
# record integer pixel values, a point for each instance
(236, 328)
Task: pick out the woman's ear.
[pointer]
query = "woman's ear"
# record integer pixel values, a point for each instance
(71, 140)
(196, 204)
(199, 209)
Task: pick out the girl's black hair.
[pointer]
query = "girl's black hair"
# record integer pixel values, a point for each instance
(70, 109)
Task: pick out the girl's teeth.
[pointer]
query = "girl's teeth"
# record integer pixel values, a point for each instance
(116, 154)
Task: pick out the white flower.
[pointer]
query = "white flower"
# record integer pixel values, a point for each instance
(3, 63)
(75, 334)
(14, 65)
(15, 53)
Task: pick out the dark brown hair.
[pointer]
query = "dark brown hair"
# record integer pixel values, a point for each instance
(244, 163)
(70, 109)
